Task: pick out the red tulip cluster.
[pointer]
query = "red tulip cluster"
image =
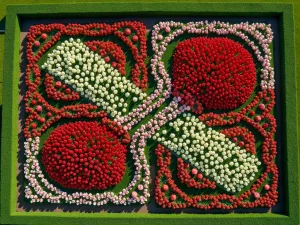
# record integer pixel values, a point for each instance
(38, 122)
(59, 91)
(248, 115)
(113, 52)
(117, 130)
(242, 136)
(136, 41)
(269, 149)
(34, 53)
(195, 180)
(84, 156)
(216, 72)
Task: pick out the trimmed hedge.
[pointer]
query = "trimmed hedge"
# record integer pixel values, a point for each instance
(16, 13)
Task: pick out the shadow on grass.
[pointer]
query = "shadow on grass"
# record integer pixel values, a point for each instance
(2, 24)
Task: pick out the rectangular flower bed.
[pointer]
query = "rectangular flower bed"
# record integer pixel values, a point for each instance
(154, 115)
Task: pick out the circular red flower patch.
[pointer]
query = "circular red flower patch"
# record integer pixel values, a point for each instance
(216, 72)
(84, 156)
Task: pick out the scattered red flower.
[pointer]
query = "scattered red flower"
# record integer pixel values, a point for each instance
(135, 38)
(196, 180)
(44, 36)
(57, 91)
(111, 53)
(37, 44)
(127, 31)
(243, 136)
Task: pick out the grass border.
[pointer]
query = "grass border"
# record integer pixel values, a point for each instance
(15, 13)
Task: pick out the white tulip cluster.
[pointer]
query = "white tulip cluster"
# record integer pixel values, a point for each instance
(210, 151)
(88, 74)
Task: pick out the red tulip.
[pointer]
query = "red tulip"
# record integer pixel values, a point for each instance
(44, 36)
(127, 31)
(135, 38)
(37, 44)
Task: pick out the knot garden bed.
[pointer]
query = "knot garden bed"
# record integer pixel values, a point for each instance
(171, 117)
